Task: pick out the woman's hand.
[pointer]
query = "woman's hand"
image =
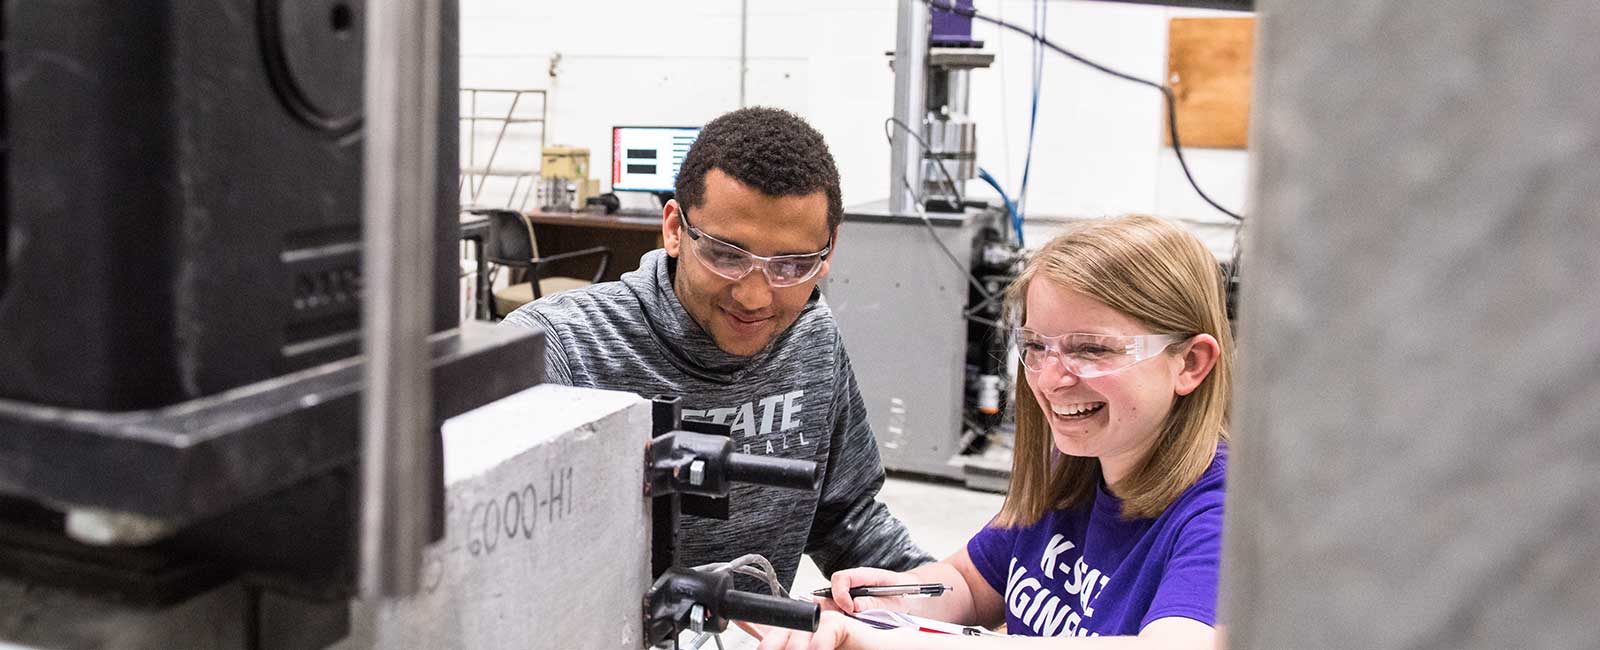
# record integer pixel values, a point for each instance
(867, 577)
(835, 631)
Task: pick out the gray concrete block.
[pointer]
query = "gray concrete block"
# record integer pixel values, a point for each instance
(1416, 461)
(548, 540)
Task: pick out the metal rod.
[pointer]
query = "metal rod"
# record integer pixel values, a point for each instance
(398, 195)
(514, 120)
(910, 79)
(472, 148)
(1231, 5)
(495, 150)
(544, 121)
(516, 182)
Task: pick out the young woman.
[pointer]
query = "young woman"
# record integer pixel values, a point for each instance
(1112, 527)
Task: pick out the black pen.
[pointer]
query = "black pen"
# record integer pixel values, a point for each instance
(913, 591)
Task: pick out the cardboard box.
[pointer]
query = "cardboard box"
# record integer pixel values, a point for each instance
(571, 163)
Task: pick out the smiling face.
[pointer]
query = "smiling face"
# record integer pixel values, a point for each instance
(1117, 417)
(743, 316)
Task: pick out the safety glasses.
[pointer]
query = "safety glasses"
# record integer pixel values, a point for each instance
(1089, 355)
(735, 263)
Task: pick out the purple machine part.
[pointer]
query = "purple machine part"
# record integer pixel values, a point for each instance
(951, 29)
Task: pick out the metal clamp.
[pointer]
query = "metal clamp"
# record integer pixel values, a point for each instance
(704, 601)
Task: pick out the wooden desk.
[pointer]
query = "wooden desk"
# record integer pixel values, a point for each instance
(628, 237)
(596, 220)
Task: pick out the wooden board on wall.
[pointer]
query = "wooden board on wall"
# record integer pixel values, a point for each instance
(1209, 62)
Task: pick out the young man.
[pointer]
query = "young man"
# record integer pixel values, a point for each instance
(728, 317)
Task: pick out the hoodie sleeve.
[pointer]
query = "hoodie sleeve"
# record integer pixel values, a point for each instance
(852, 528)
(556, 368)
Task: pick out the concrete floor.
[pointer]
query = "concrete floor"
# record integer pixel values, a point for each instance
(941, 517)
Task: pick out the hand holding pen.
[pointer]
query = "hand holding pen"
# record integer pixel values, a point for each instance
(891, 590)
(879, 591)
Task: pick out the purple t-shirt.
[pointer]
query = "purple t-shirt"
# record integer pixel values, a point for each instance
(1085, 571)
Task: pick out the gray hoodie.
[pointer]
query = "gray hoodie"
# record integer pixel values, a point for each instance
(797, 398)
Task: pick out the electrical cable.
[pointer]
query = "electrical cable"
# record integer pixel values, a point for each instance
(1011, 207)
(948, 179)
(1166, 93)
(988, 298)
(982, 321)
(921, 212)
(754, 565)
(1039, 12)
(1233, 274)
(1005, 108)
(986, 302)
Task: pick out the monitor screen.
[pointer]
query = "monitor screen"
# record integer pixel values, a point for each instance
(647, 158)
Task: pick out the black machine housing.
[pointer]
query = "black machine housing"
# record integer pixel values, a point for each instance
(182, 197)
(180, 297)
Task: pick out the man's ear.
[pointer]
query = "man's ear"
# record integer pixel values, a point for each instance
(1198, 358)
(827, 262)
(671, 231)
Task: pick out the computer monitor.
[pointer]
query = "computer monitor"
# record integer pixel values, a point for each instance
(647, 158)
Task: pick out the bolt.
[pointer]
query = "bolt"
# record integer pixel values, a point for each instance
(697, 618)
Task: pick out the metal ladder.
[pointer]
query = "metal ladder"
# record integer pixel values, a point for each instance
(475, 172)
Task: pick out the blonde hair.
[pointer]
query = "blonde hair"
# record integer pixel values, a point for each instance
(1162, 276)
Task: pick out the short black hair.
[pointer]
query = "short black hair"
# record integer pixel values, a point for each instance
(769, 149)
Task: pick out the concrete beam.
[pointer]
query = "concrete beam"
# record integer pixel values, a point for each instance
(1417, 456)
(548, 540)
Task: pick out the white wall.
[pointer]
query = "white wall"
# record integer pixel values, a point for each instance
(1098, 144)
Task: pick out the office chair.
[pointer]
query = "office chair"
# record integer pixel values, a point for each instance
(512, 245)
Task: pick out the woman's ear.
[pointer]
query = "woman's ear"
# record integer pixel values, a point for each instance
(1198, 358)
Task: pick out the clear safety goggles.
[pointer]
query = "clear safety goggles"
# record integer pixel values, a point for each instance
(734, 263)
(1089, 355)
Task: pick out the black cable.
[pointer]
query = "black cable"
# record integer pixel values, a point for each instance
(988, 298)
(921, 212)
(948, 179)
(986, 302)
(984, 321)
(1231, 277)
(1166, 93)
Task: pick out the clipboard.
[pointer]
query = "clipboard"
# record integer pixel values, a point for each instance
(884, 619)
